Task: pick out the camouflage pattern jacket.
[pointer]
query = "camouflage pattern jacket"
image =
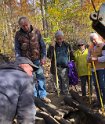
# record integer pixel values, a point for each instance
(30, 44)
(16, 95)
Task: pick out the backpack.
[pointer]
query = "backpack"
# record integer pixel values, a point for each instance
(72, 73)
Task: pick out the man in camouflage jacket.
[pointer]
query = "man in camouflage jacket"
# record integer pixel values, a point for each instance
(29, 43)
(16, 92)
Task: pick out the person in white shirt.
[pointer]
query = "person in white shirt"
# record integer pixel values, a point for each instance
(97, 55)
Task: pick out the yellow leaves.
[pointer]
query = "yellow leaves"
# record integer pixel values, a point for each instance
(56, 1)
(54, 11)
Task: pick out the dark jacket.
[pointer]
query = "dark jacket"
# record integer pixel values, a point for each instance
(16, 95)
(27, 44)
(63, 54)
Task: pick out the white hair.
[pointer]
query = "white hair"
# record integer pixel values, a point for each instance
(93, 35)
(21, 19)
(59, 33)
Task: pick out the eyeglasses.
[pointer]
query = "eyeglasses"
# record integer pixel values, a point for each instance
(80, 45)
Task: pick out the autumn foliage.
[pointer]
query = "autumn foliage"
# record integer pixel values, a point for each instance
(71, 16)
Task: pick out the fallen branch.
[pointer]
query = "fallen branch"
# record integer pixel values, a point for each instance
(94, 116)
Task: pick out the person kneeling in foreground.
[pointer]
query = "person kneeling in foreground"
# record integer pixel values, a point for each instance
(17, 92)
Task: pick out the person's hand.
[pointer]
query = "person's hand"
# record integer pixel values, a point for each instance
(89, 60)
(94, 58)
(53, 43)
(43, 61)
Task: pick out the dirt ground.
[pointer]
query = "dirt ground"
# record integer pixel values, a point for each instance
(58, 101)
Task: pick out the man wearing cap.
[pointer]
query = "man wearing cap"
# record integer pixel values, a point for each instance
(83, 68)
(63, 53)
(29, 43)
(16, 92)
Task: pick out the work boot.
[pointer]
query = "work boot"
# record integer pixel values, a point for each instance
(46, 100)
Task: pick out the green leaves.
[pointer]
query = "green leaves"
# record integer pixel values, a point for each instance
(47, 40)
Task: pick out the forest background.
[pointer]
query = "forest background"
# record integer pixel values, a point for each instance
(70, 16)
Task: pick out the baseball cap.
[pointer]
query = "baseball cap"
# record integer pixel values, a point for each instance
(25, 60)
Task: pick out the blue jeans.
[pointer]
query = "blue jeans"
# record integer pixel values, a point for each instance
(84, 80)
(40, 88)
(101, 81)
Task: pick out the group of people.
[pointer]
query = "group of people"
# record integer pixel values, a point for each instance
(90, 63)
(23, 80)
(96, 55)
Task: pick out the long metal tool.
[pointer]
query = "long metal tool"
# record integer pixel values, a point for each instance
(56, 75)
(99, 91)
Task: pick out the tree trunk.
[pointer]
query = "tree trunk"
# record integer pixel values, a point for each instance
(43, 17)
